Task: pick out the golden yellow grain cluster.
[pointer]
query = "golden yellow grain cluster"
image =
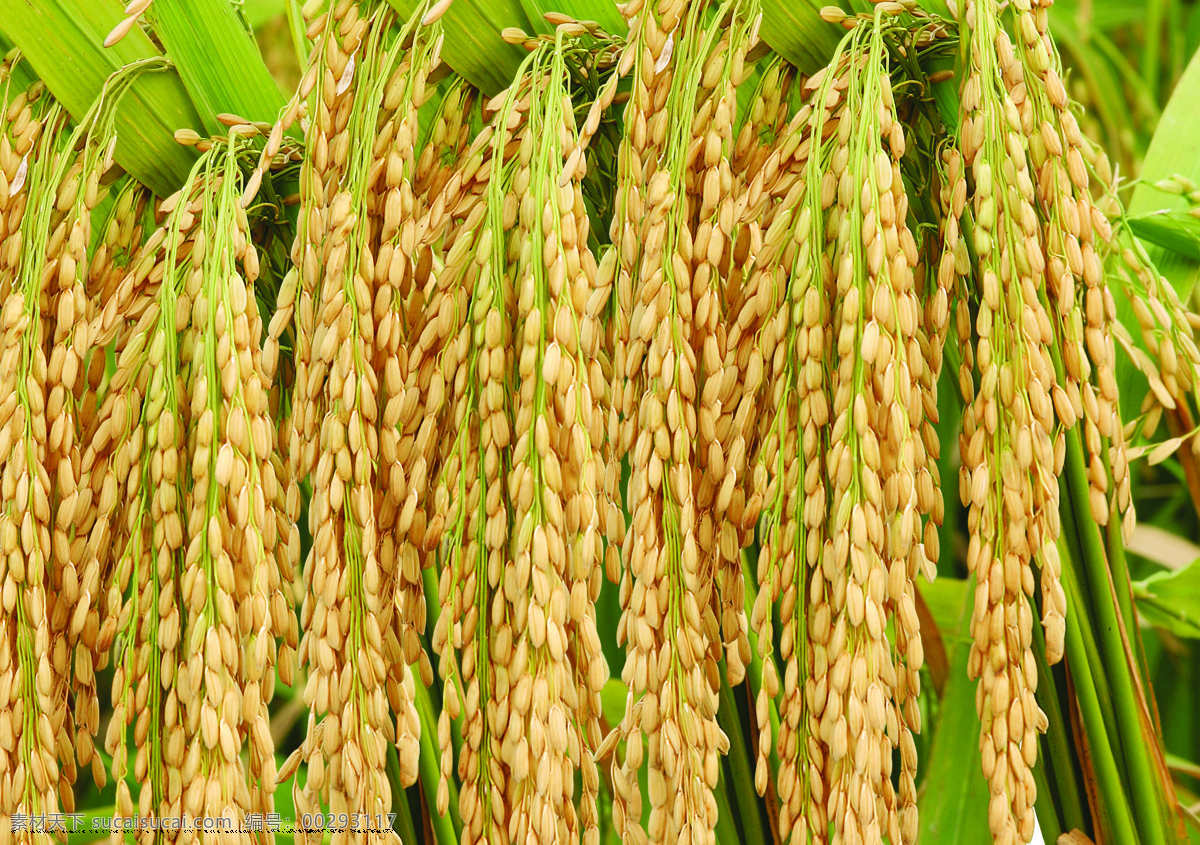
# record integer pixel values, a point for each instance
(1043, 361)
(33, 674)
(363, 407)
(678, 411)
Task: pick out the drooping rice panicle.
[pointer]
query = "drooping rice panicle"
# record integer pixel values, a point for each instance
(650, 56)
(718, 259)
(459, 492)
(556, 670)
(412, 391)
(766, 434)
(789, 450)
(667, 619)
(28, 137)
(473, 485)
(227, 580)
(65, 228)
(872, 555)
(1076, 234)
(1010, 451)
(355, 637)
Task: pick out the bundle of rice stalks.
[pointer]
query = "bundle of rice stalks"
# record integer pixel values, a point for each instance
(671, 370)
(200, 538)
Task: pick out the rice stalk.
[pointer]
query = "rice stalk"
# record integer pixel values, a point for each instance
(230, 587)
(1075, 234)
(874, 511)
(769, 435)
(730, 363)
(793, 520)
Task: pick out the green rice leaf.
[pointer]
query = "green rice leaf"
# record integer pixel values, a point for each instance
(1173, 151)
(473, 46)
(259, 12)
(603, 12)
(1177, 231)
(21, 74)
(945, 597)
(1171, 600)
(794, 29)
(63, 40)
(954, 797)
(612, 700)
(218, 60)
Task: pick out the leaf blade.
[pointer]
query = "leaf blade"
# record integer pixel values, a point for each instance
(1172, 151)
(1171, 600)
(954, 799)
(795, 30)
(62, 39)
(217, 59)
(473, 46)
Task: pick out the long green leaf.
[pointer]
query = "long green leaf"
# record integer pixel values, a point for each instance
(21, 74)
(603, 12)
(1173, 150)
(954, 798)
(1177, 231)
(726, 830)
(63, 40)
(473, 46)
(794, 29)
(1152, 43)
(218, 60)
(740, 766)
(258, 12)
(944, 597)
(1172, 600)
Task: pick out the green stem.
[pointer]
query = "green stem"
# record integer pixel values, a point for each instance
(1119, 567)
(1112, 792)
(447, 828)
(1063, 776)
(1152, 44)
(1117, 657)
(404, 822)
(297, 30)
(948, 427)
(739, 765)
(1123, 584)
(1047, 816)
(1079, 603)
(726, 831)
(756, 663)
(433, 611)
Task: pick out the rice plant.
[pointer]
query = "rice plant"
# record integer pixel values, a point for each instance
(563, 421)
